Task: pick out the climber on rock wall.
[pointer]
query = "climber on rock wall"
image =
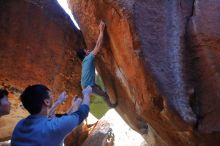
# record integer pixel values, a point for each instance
(88, 67)
(4, 103)
(39, 130)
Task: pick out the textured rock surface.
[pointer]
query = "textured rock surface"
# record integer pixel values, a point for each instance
(160, 59)
(37, 42)
(205, 34)
(110, 130)
(78, 136)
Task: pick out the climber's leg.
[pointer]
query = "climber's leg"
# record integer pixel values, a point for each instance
(98, 91)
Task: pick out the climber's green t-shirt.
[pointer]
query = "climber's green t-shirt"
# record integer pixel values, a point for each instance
(88, 71)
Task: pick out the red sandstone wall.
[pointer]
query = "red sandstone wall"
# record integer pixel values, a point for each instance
(37, 43)
(160, 59)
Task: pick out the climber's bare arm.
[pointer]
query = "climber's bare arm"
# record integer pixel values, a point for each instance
(100, 38)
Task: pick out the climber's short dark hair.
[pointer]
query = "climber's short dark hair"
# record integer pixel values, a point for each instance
(33, 97)
(81, 54)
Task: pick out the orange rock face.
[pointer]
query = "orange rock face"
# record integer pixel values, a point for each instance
(160, 60)
(77, 136)
(37, 43)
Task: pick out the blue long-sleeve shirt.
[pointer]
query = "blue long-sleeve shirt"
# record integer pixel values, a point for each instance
(38, 130)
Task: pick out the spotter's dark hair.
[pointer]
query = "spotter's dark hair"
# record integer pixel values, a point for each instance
(3, 92)
(33, 98)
